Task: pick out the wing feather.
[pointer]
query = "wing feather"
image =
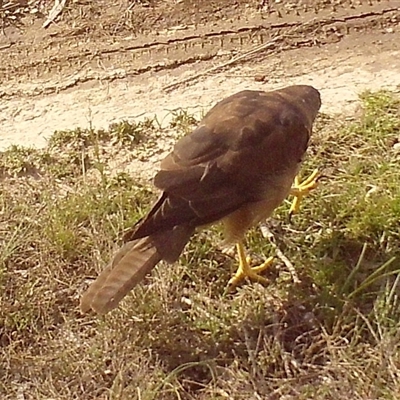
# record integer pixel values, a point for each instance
(229, 160)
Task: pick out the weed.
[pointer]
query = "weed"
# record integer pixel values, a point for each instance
(182, 122)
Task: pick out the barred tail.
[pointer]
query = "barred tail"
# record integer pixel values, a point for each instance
(130, 265)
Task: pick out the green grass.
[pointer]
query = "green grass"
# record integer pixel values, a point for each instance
(179, 335)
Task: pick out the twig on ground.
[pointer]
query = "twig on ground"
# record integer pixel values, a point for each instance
(55, 12)
(270, 236)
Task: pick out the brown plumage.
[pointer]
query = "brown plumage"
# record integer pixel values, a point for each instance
(237, 166)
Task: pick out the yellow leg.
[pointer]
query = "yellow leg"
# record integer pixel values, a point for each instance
(244, 270)
(300, 189)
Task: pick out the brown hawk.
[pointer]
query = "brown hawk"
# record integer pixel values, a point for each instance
(236, 167)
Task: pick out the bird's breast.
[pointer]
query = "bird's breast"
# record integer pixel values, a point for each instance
(275, 190)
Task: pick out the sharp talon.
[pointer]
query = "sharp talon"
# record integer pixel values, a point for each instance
(300, 189)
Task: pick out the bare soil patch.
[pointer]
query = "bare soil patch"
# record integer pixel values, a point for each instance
(103, 63)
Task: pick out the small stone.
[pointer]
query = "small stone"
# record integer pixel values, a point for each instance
(261, 78)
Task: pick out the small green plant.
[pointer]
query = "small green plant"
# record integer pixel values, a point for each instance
(134, 133)
(78, 138)
(182, 122)
(17, 160)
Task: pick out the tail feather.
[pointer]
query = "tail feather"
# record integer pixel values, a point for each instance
(86, 300)
(129, 266)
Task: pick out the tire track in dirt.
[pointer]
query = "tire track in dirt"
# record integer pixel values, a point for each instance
(340, 70)
(341, 55)
(86, 63)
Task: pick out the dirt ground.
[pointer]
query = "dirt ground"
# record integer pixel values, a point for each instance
(99, 63)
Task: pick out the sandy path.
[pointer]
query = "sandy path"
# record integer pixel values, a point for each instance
(340, 72)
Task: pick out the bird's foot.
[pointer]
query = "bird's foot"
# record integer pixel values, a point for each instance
(300, 189)
(245, 271)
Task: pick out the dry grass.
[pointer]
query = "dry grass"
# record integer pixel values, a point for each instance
(178, 336)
